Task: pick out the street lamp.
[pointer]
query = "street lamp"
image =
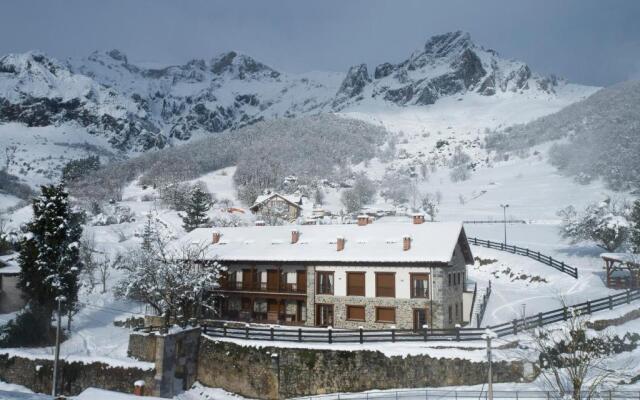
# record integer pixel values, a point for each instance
(504, 220)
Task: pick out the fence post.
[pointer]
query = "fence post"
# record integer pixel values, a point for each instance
(361, 329)
(246, 331)
(224, 329)
(562, 267)
(204, 328)
(588, 306)
(564, 313)
(424, 331)
(538, 256)
(610, 303)
(527, 250)
(271, 332)
(393, 333)
(515, 326)
(502, 246)
(457, 332)
(628, 296)
(329, 334)
(299, 334)
(539, 319)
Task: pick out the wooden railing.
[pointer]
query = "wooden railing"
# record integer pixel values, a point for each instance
(536, 255)
(328, 335)
(264, 287)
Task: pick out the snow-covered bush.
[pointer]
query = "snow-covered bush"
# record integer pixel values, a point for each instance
(362, 192)
(224, 220)
(395, 187)
(460, 173)
(604, 223)
(113, 214)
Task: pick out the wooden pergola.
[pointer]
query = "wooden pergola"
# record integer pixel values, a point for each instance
(623, 270)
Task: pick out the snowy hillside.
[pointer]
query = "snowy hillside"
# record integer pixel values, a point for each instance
(103, 104)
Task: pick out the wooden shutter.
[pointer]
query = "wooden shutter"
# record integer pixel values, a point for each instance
(355, 313)
(301, 281)
(385, 284)
(385, 314)
(355, 283)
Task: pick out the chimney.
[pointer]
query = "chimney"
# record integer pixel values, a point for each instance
(406, 243)
(340, 243)
(295, 235)
(418, 219)
(363, 220)
(260, 223)
(215, 237)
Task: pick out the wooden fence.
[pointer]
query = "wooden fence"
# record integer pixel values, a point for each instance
(422, 394)
(328, 335)
(536, 255)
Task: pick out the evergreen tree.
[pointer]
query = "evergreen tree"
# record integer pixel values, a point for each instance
(196, 210)
(635, 227)
(148, 234)
(49, 253)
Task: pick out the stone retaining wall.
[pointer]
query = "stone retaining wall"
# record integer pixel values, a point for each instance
(256, 372)
(75, 377)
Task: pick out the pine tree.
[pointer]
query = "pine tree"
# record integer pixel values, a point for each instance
(635, 227)
(49, 253)
(148, 234)
(196, 210)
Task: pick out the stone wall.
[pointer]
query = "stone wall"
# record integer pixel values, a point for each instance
(142, 346)
(74, 378)
(255, 372)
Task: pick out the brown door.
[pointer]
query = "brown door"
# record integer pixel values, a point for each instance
(247, 279)
(272, 280)
(419, 318)
(301, 281)
(273, 309)
(324, 315)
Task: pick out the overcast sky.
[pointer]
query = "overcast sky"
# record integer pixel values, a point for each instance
(586, 41)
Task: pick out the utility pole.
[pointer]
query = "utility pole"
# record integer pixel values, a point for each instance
(56, 359)
(488, 336)
(504, 220)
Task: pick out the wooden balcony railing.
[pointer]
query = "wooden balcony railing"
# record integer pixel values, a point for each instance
(263, 287)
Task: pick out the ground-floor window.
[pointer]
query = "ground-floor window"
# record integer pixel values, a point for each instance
(355, 313)
(385, 314)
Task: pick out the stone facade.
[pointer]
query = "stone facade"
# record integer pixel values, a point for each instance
(270, 373)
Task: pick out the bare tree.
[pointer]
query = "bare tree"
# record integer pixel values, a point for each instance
(573, 361)
(171, 280)
(104, 267)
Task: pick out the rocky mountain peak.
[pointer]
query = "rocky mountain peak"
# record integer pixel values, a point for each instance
(241, 66)
(448, 43)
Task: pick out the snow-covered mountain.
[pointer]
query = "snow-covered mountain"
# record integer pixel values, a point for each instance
(104, 103)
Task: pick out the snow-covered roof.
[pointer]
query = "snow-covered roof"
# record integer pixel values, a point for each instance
(432, 242)
(293, 199)
(622, 257)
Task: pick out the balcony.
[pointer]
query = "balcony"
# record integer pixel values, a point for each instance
(264, 287)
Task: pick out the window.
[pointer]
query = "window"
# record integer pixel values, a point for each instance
(456, 311)
(385, 284)
(385, 314)
(246, 304)
(355, 283)
(450, 316)
(420, 286)
(449, 276)
(355, 313)
(324, 283)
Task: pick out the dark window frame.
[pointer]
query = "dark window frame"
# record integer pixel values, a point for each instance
(412, 277)
(333, 282)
